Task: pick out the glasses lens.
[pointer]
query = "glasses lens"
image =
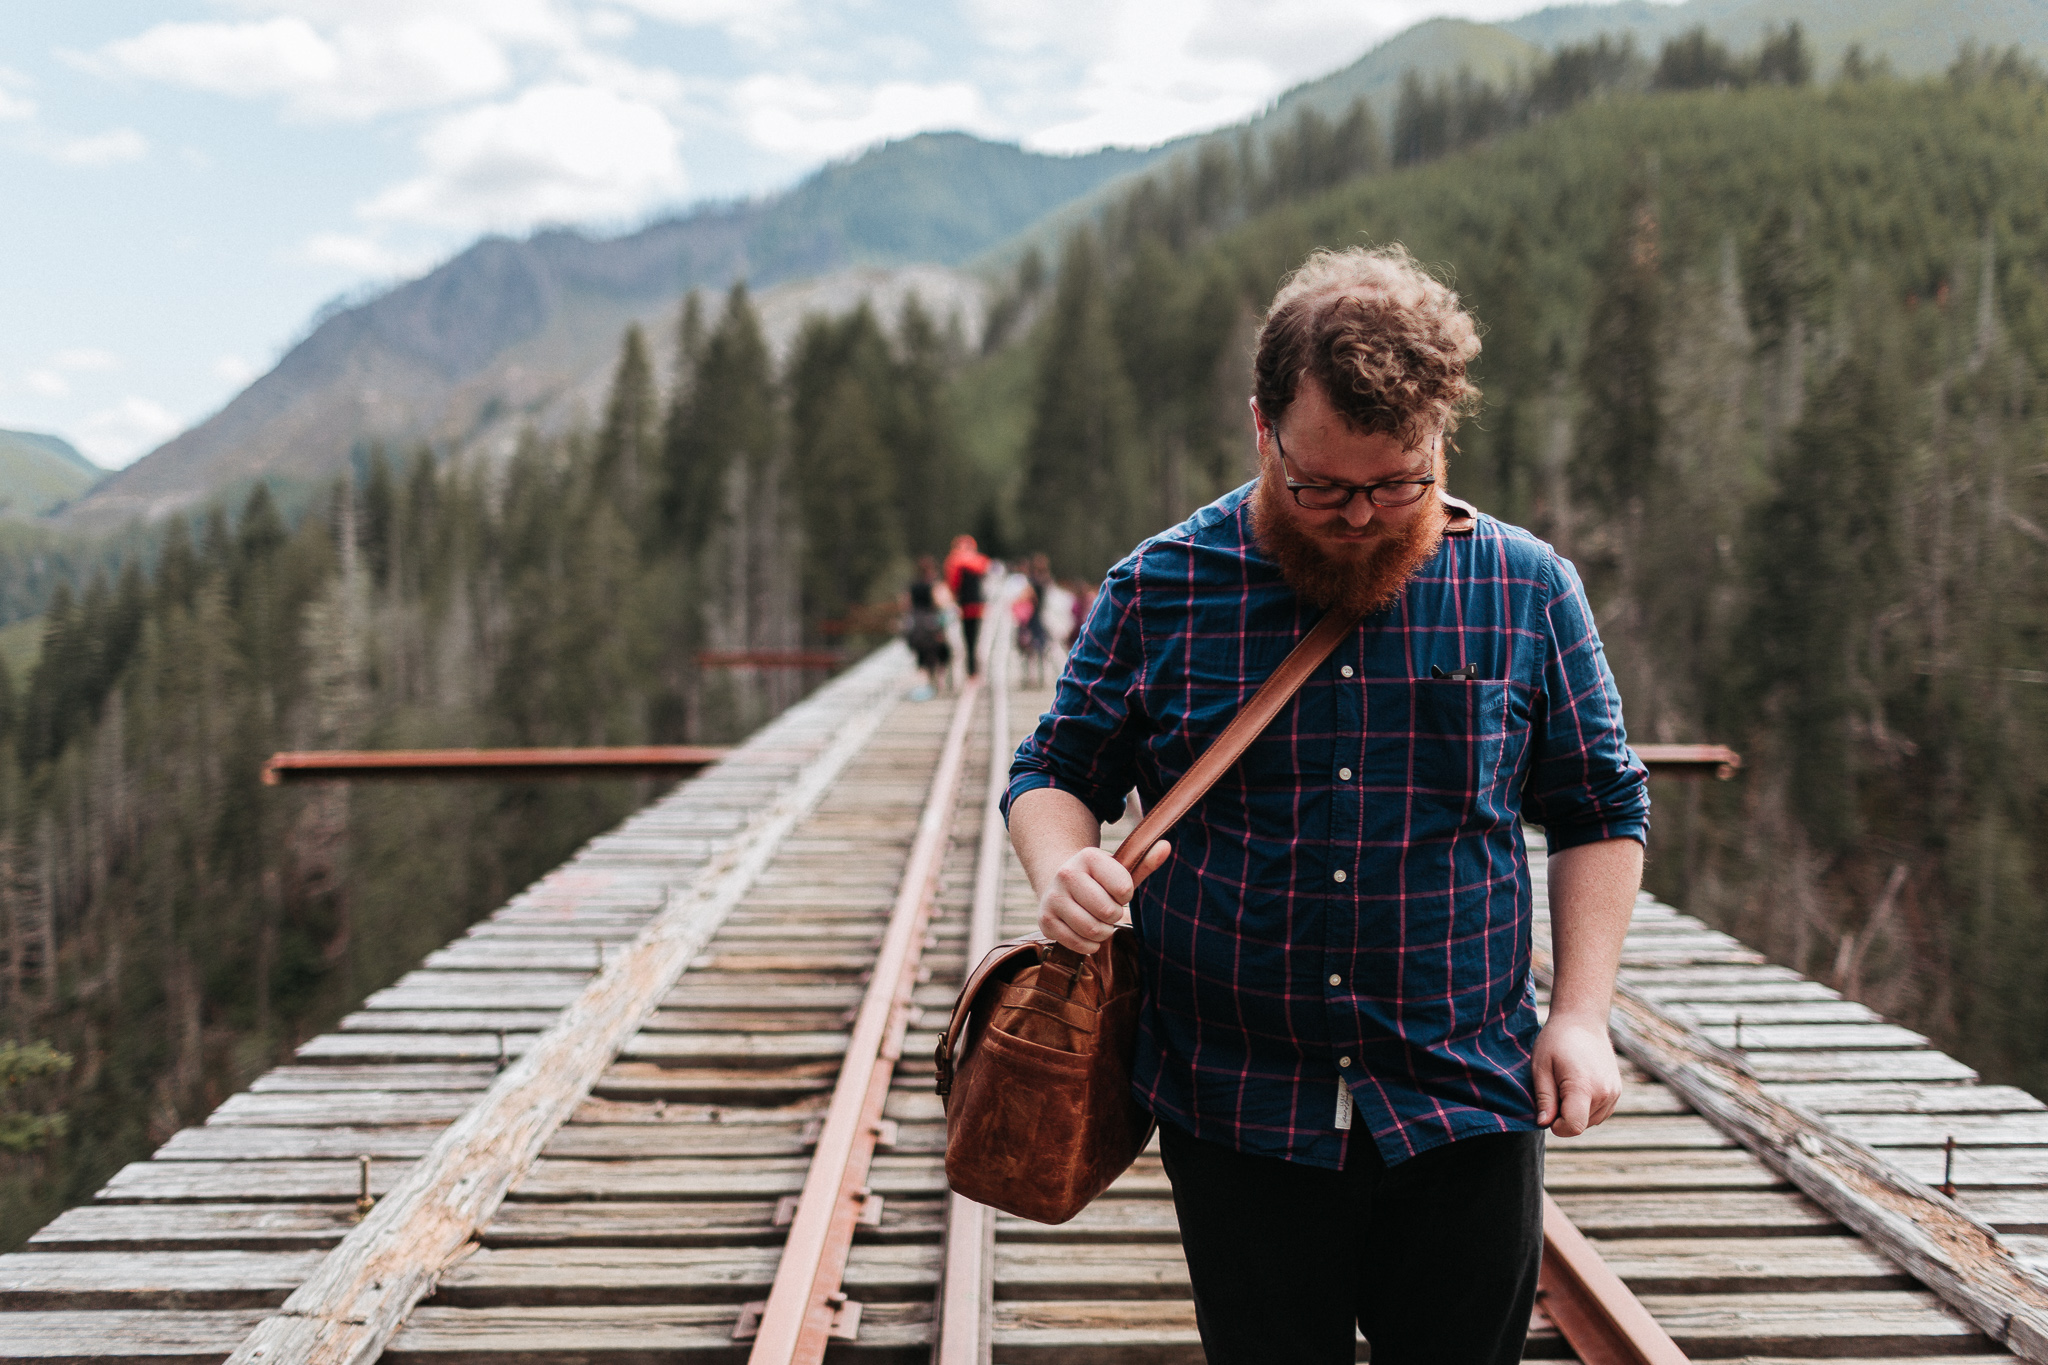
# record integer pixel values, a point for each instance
(1397, 494)
(1322, 497)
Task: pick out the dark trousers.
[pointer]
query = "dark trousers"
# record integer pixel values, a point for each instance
(970, 636)
(1434, 1259)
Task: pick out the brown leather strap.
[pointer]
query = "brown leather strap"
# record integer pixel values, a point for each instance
(1257, 714)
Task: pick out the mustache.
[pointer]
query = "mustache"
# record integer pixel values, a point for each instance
(1364, 582)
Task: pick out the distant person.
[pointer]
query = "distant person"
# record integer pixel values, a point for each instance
(966, 578)
(1338, 1029)
(924, 628)
(1033, 633)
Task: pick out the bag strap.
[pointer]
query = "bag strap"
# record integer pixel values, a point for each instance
(1245, 727)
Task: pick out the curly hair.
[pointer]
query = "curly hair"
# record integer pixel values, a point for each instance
(1387, 341)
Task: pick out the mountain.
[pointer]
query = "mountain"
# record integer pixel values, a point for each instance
(512, 331)
(1918, 37)
(39, 473)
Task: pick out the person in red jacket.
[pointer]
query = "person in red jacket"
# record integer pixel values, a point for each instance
(966, 573)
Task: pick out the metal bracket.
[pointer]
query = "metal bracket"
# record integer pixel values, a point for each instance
(845, 1319)
(870, 1208)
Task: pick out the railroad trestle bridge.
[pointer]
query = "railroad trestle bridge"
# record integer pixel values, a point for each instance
(674, 1103)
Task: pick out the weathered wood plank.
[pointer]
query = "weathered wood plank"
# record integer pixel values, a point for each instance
(247, 1142)
(1905, 1097)
(564, 1275)
(1644, 1132)
(1941, 1246)
(363, 1290)
(1874, 1322)
(1568, 1169)
(160, 1280)
(1747, 1265)
(200, 1227)
(125, 1338)
(624, 1335)
(1923, 1065)
(1695, 1214)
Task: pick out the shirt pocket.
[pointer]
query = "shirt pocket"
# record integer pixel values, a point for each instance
(1433, 750)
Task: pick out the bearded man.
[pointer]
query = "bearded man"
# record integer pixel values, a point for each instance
(1339, 1033)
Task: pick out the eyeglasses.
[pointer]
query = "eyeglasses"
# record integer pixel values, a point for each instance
(1328, 497)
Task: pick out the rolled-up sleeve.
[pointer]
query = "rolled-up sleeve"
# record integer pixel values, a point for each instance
(1087, 743)
(1585, 784)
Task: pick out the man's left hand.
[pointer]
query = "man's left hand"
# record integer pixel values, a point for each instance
(1578, 1082)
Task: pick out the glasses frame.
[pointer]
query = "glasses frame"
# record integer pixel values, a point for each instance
(1351, 490)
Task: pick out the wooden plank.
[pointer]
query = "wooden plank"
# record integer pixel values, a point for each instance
(624, 1223)
(161, 1280)
(282, 1182)
(125, 1338)
(1937, 1242)
(1766, 1038)
(247, 1142)
(1875, 1322)
(563, 1275)
(2007, 1210)
(1924, 1065)
(2027, 1129)
(1738, 1265)
(201, 1227)
(1903, 1097)
(363, 1290)
(1567, 1169)
(623, 1334)
(310, 1079)
(1644, 1132)
(1696, 1214)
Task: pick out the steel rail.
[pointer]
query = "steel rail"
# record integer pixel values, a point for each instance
(805, 1307)
(967, 1280)
(349, 765)
(1591, 1308)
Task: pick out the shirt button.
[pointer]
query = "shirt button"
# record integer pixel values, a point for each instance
(1338, 875)
(1336, 980)
(1343, 774)
(1343, 1061)
(1345, 670)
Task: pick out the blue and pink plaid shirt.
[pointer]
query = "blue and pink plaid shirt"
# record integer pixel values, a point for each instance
(1350, 905)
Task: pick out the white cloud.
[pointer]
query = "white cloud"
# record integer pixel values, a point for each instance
(236, 370)
(355, 70)
(47, 382)
(363, 253)
(761, 22)
(797, 116)
(131, 428)
(87, 358)
(556, 153)
(15, 108)
(101, 149)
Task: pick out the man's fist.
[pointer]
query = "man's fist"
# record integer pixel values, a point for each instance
(1085, 900)
(1578, 1082)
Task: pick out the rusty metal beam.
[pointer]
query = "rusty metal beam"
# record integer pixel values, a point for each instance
(504, 765)
(1689, 760)
(1600, 1319)
(806, 1308)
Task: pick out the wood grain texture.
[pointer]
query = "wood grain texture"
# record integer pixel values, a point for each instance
(362, 1291)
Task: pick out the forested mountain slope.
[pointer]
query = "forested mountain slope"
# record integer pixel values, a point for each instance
(1768, 364)
(509, 329)
(40, 472)
(1918, 37)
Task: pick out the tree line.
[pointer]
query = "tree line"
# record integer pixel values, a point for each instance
(1766, 359)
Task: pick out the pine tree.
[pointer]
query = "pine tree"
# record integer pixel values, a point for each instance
(1082, 501)
(626, 442)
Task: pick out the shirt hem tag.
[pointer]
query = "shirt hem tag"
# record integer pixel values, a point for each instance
(1343, 1105)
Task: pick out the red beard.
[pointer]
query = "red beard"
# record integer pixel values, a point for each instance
(1325, 577)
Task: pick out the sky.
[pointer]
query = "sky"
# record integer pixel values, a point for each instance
(189, 181)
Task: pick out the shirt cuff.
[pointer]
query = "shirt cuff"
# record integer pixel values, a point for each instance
(1558, 837)
(1032, 781)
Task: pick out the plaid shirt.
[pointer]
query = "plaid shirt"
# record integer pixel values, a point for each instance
(1350, 904)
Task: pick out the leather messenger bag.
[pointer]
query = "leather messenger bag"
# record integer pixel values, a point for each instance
(1035, 1065)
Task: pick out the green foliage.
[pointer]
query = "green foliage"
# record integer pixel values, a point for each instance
(20, 1066)
(1767, 360)
(1084, 472)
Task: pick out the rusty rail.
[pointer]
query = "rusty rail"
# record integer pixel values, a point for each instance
(1599, 1318)
(806, 1308)
(354, 765)
(1689, 760)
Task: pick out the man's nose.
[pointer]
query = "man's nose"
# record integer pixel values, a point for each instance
(1358, 512)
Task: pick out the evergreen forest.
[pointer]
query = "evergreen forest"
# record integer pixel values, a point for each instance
(1765, 350)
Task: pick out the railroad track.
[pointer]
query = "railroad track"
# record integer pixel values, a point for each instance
(755, 1172)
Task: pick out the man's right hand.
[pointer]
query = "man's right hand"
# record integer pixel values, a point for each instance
(1086, 897)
